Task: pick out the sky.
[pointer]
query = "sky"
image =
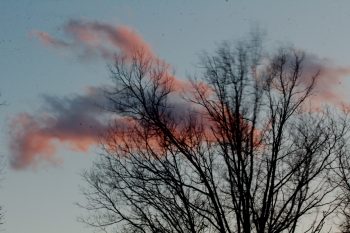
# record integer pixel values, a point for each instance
(54, 57)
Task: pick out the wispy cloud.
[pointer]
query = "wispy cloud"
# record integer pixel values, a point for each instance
(329, 81)
(76, 121)
(102, 40)
(79, 121)
(48, 40)
(91, 39)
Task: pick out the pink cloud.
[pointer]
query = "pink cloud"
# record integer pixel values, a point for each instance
(102, 40)
(75, 121)
(96, 35)
(329, 80)
(79, 122)
(48, 40)
(98, 39)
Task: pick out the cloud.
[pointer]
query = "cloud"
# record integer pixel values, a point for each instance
(48, 40)
(77, 121)
(329, 77)
(329, 80)
(102, 40)
(96, 39)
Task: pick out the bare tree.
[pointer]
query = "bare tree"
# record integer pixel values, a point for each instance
(340, 180)
(241, 151)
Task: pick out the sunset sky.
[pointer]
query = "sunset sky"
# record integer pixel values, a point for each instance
(54, 57)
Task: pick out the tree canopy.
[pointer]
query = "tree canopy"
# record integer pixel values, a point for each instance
(241, 147)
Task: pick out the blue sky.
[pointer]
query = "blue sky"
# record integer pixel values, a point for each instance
(40, 198)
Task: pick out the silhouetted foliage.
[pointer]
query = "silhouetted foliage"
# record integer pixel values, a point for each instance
(238, 150)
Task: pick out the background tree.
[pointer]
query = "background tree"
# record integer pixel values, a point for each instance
(341, 180)
(241, 151)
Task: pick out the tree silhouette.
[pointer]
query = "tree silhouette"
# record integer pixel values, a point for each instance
(341, 181)
(239, 149)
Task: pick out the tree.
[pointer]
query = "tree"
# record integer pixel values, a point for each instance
(341, 180)
(238, 150)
